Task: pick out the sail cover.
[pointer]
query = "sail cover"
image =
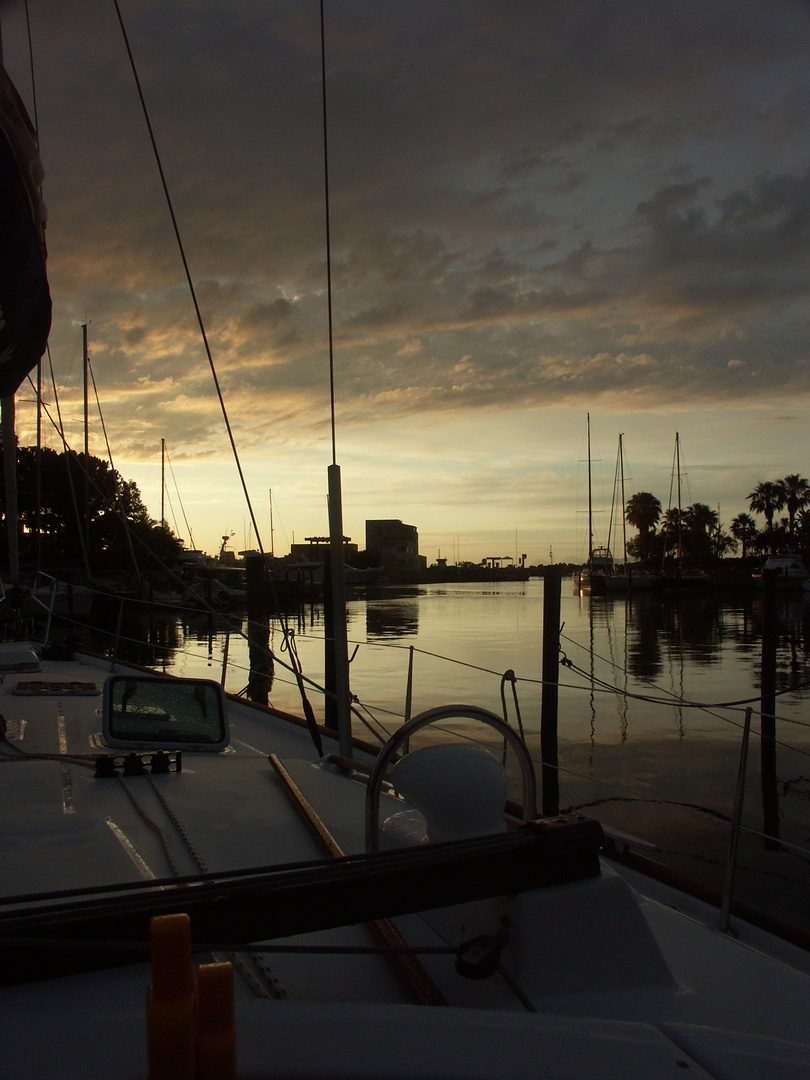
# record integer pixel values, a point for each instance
(25, 301)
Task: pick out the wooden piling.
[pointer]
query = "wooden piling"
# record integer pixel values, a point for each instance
(552, 583)
(770, 794)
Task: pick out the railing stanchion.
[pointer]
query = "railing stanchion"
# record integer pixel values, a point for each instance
(736, 817)
(225, 656)
(116, 642)
(408, 694)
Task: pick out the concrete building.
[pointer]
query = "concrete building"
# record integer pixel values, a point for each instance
(394, 546)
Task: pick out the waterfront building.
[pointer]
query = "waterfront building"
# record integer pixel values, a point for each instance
(394, 546)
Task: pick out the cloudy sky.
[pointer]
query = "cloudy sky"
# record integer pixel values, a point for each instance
(539, 210)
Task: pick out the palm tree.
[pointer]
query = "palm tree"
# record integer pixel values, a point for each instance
(701, 518)
(767, 498)
(744, 529)
(702, 522)
(673, 528)
(796, 495)
(722, 543)
(643, 512)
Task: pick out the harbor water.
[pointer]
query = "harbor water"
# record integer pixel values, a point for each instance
(652, 697)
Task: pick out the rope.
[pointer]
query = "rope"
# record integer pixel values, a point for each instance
(509, 676)
(195, 855)
(153, 825)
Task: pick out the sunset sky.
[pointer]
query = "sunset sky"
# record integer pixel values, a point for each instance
(538, 210)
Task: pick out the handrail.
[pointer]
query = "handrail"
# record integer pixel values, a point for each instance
(442, 712)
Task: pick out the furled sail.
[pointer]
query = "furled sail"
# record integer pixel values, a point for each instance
(25, 301)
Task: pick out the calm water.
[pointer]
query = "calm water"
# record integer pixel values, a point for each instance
(634, 748)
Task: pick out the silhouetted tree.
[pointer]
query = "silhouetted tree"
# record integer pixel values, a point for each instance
(767, 498)
(67, 497)
(673, 530)
(744, 529)
(643, 512)
(796, 496)
(701, 523)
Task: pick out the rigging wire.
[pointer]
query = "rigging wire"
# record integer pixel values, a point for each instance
(179, 499)
(118, 487)
(186, 268)
(31, 68)
(60, 428)
(310, 716)
(670, 697)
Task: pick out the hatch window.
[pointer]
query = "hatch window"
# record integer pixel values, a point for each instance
(164, 714)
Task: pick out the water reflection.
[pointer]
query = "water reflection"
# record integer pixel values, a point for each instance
(392, 617)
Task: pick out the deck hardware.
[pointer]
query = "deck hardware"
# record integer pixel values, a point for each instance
(479, 957)
(159, 763)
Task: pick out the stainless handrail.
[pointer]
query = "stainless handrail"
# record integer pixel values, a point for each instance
(444, 712)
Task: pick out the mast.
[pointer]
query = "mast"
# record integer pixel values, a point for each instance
(85, 365)
(10, 477)
(590, 499)
(678, 467)
(272, 547)
(624, 521)
(38, 520)
(162, 481)
(340, 646)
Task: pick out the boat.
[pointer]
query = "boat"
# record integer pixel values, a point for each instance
(789, 570)
(627, 577)
(591, 578)
(189, 875)
(43, 600)
(601, 576)
(197, 886)
(680, 576)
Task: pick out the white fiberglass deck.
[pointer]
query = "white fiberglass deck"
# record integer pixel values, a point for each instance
(620, 988)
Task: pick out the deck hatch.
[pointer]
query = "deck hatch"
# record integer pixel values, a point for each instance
(157, 713)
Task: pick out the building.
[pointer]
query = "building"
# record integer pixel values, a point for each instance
(316, 549)
(394, 546)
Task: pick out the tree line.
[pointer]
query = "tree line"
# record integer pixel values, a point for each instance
(696, 533)
(75, 511)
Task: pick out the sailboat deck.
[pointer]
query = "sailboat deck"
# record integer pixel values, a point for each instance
(228, 811)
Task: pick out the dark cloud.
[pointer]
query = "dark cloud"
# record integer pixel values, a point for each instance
(529, 202)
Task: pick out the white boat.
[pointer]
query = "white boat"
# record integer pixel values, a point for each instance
(790, 572)
(40, 601)
(131, 797)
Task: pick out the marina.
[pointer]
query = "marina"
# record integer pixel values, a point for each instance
(643, 740)
(147, 806)
(281, 819)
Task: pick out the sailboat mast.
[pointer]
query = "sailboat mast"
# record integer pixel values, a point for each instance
(272, 546)
(85, 365)
(9, 435)
(590, 498)
(162, 481)
(38, 519)
(340, 653)
(678, 467)
(624, 520)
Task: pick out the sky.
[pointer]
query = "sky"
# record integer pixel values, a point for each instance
(538, 211)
